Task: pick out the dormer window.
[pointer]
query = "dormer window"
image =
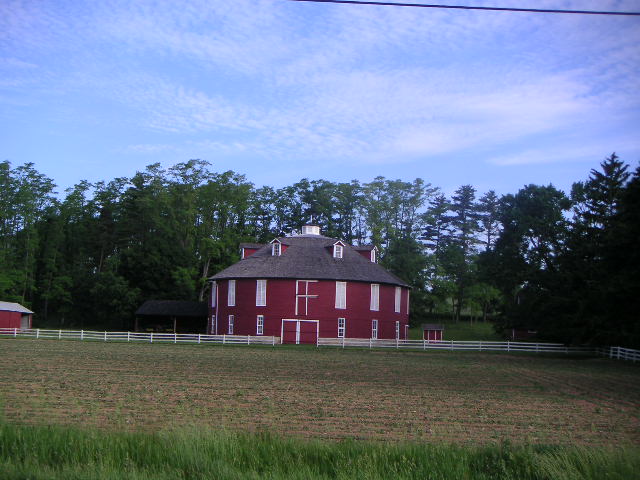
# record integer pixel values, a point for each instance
(337, 251)
(373, 255)
(276, 249)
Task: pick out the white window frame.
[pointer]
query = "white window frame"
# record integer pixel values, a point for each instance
(374, 304)
(397, 330)
(374, 329)
(373, 255)
(304, 295)
(342, 327)
(338, 251)
(398, 299)
(231, 293)
(231, 322)
(341, 295)
(260, 325)
(261, 293)
(276, 249)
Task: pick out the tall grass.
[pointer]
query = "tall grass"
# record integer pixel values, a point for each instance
(56, 453)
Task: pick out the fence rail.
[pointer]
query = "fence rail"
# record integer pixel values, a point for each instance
(196, 338)
(618, 353)
(478, 346)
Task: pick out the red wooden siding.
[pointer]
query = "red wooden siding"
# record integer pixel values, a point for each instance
(13, 319)
(434, 335)
(281, 304)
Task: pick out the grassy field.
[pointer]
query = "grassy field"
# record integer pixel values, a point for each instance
(56, 453)
(460, 331)
(437, 397)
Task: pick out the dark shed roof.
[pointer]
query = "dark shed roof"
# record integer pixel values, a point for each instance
(173, 308)
(309, 257)
(432, 326)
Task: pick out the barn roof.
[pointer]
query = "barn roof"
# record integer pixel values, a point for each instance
(309, 257)
(251, 245)
(173, 308)
(13, 307)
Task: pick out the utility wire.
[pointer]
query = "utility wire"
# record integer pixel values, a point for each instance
(465, 7)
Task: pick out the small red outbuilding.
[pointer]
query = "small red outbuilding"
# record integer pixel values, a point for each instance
(14, 315)
(432, 331)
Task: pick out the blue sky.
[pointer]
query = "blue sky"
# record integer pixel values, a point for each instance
(282, 90)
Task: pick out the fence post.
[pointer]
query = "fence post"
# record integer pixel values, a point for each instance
(369, 344)
(151, 338)
(618, 351)
(81, 334)
(15, 332)
(59, 334)
(480, 345)
(343, 342)
(452, 345)
(397, 343)
(128, 336)
(198, 339)
(105, 336)
(508, 346)
(248, 340)
(37, 333)
(175, 337)
(424, 344)
(223, 338)
(273, 341)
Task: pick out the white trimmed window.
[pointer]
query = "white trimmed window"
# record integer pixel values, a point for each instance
(374, 329)
(214, 292)
(341, 327)
(397, 330)
(373, 255)
(276, 249)
(259, 324)
(231, 319)
(341, 294)
(337, 251)
(375, 297)
(398, 299)
(261, 293)
(231, 294)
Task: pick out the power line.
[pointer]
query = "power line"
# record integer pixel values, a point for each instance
(465, 7)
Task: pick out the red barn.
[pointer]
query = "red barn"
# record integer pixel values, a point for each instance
(14, 315)
(307, 286)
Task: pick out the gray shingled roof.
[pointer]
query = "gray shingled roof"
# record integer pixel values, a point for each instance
(309, 257)
(13, 307)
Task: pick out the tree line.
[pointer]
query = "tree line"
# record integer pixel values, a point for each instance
(563, 264)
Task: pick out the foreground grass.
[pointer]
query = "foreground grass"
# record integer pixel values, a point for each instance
(52, 453)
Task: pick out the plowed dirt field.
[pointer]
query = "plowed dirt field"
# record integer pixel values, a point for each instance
(336, 394)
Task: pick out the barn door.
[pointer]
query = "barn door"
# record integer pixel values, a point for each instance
(289, 331)
(299, 331)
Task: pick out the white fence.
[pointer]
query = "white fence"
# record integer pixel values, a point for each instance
(141, 337)
(478, 346)
(620, 353)
(195, 338)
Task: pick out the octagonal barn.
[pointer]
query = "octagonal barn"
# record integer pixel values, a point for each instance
(307, 286)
